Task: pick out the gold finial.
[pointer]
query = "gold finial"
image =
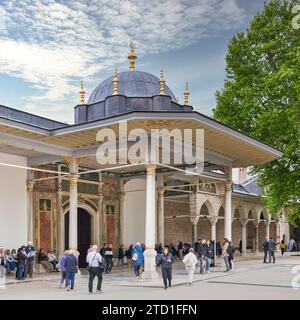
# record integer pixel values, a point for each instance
(162, 83)
(186, 94)
(81, 93)
(115, 82)
(132, 57)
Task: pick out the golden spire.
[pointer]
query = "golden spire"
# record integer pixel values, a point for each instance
(162, 83)
(186, 94)
(81, 93)
(132, 57)
(115, 82)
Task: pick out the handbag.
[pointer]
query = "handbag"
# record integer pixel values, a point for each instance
(88, 268)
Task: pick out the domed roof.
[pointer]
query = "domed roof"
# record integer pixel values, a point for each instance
(131, 84)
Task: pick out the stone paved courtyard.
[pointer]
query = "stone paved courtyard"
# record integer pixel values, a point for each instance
(250, 279)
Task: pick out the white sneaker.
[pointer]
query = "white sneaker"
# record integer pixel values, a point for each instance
(99, 291)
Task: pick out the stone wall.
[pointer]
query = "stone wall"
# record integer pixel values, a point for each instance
(177, 228)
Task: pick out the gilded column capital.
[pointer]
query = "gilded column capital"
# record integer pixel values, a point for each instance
(73, 180)
(151, 169)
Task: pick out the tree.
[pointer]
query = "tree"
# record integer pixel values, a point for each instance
(261, 98)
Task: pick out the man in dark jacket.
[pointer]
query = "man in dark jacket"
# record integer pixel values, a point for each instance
(202, 253)
(272, 249)
(165, 262)
(71, 267)
(266, 248)
(210, 255)
(30, 251)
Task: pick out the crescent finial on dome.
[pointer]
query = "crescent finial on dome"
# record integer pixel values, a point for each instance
(132, 57)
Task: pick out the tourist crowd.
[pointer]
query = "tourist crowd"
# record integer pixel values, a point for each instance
(21, 261)
(201, 255)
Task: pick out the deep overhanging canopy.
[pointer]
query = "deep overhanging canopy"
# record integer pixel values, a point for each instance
(222, 143)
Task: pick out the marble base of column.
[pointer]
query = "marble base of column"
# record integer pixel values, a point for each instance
(150, 272)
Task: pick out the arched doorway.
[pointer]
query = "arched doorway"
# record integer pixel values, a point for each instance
(84, 234)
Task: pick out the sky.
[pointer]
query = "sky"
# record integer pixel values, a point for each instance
(48, 46)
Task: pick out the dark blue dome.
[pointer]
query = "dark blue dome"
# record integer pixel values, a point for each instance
(131, 84)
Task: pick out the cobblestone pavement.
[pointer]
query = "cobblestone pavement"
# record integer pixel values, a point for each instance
(250, 279)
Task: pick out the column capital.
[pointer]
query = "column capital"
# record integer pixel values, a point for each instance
(195, 220)
(256, 223)
(213, 220)
(122, 195)
(151, 169)
(73, 180)
(228, 186)
(244, 221)
(161, 191)
(30, 185)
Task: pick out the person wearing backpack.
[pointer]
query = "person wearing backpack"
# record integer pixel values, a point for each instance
(230, 251)
(137, 259)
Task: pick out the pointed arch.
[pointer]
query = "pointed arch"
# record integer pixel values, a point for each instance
(206, 209)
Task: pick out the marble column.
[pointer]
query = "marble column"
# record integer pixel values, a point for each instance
(73, 205)
(278, 235)
(150, 272)
(244, 236)
(61, 218)
(267, 229)
(121, 218)
(102, 224)
(228, 214)
(194, 221)
(161, 216)
(213, 221)
(30, 185)
(256, 224)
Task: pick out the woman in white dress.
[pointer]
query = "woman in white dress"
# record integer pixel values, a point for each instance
(190, 261)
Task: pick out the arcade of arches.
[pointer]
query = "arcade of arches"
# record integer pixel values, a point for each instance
(113, 210)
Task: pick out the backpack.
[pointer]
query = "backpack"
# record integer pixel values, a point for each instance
(230, 250)
(135, 256)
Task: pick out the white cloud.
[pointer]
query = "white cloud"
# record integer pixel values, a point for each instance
(53, 44)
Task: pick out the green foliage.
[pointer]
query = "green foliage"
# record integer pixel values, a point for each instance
(261, 98)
